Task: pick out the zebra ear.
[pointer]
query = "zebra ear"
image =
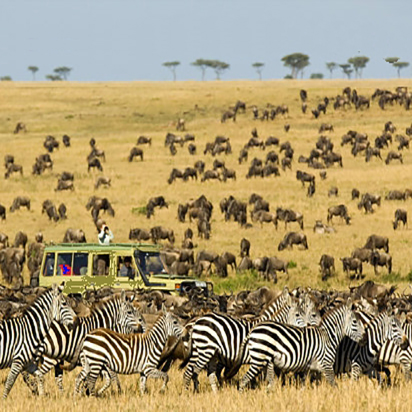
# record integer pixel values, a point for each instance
(164, 310)
(349, 303)
(285, 292)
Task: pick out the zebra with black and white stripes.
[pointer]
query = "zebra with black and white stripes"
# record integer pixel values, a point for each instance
(216, 339)
(293, 349)
(20, 337)
(126, 354)
(116, 313)
(355, 358)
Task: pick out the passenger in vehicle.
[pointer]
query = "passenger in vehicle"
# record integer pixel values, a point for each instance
(126, 269)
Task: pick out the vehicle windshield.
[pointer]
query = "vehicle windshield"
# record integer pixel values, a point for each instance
(150, 263)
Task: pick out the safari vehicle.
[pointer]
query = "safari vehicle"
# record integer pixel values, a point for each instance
(119, 265)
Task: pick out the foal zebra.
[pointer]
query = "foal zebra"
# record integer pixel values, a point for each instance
(216, 338)
(117, 313)
(289, 348)
(20, 337)
(126, 354)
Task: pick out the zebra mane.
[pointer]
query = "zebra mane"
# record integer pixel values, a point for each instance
(36, 302)
(101, 305)
(331, 313)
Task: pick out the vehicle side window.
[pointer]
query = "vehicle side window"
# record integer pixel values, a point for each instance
(80, 264)
(101, 265)
(49, 265)
(64, 264)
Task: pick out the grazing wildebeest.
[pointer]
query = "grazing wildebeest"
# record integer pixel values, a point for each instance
(203, 228)
(305, 177)
(325, 127)
(401, 215)
(192, 148)
(327, 266)
(97, 153)
(393, 156)
(66, 140)
(228, 114)
(189, 172)
(159, 232)
(51, 143)
(311, 190)
(51, 211)
(288, 215)
(74, 236)
(102, 181)
(363, 254)
(274, 265)
(263, 216)
(94, 163)
(230, 259)
(8, 160)
(244, 247)
(377, 242)
(2, 212)
(144, 140)
(355, 194)
(211, 175)
(333, 191)
(228, 174)
(64, 185)
(20, 201)
(381, 259)
(62, 211)
(352, 264)
(175, 174)
(139, 234)
(340, 210)
(182, 211)
(20, 240)
(243, 155)
(135, 152)
(13, 168)
(200, 166)
(395, 195)
(20, 127)
(293, 238)
(66, 176)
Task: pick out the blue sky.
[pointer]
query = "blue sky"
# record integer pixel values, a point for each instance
(122, 40)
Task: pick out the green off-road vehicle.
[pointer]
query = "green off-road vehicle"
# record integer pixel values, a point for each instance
(119, 265)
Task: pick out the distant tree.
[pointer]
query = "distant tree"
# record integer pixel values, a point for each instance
(53, 77)
(34, 70)
(331, 67)
(392, 60)
(297, 62)
(346, 68)
(219, 67)
(6, 79)
(399, 66)
(258, 66)
(172, 67)
(63, 71)
(316, 76)
(288, 77)
(358, 63)
(202, 64)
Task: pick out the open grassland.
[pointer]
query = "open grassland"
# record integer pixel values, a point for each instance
(115, 114)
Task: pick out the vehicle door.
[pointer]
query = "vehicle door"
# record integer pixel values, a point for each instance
(101, 273)
(126, 272)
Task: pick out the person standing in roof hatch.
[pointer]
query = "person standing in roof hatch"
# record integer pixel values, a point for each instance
(105, 236)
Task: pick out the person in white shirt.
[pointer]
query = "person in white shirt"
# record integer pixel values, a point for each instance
(105, 236)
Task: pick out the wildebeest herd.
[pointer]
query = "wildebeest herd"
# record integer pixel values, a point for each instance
(269, 160)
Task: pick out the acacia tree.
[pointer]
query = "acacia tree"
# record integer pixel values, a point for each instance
(258, 66)
(53, 77)
(399, 66)
(219, 67)
(297, 62)
(346, 68)
(172, 67)
(63, 71)
(358, 63)
(34, 70)
(201, 64)
(331, 66)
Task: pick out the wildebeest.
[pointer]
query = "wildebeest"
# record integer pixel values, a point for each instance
(228, 114)
(327, 266)
(325, 127)
(2, 212)
(51, 143)
(66, 140)
(305, 177)
(189, 172)
(144, 140)
(135, 152)
(50, 210)
(289, 215)
(74, 236)
(139, 234)
(64, 185)
(192, 148)
(352, 264)
(19, 202)
(395, 195)
(159, 232)
(321, 228)
(175, 174)
(158, 201)
(102, 181)
(377, 242)
(381, 259)
(363, 254)
(355, 194)
(8, 160)
(393, 156)
(211, 175)
(274, 265)
(20, 127)
(333, 191)
(401, 215)
(20, 240)
(340, 210)
(62, 211)
(13, 168)
(244, 247)
(94, 163)
(293, 238)
(203, 228)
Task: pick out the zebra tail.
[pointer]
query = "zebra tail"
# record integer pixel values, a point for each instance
(188, 354)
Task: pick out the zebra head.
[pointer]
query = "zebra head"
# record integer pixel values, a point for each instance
(353, 328)
(395, 332)
(172, 324)
(130, 320)
(310, 314)
(60, 310)
(294, 315)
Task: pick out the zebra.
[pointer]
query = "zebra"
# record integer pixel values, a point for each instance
(117, 313)
(363, 358)
(289, 348)
(20, 337)
(216, 339)
(126, 354)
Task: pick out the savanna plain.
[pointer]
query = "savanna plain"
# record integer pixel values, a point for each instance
(116, 114)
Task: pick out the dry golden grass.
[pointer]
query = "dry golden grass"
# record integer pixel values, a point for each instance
(116, 114)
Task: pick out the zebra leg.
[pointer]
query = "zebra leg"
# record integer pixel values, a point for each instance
(109, 377)
(16, 368)
(406, 367)
(30, 382)
(58, 377)
(270, 375)
(211, 371)
(156, 374)
(143, 380)
(330, 375)
(195, 367)
(253, 371)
